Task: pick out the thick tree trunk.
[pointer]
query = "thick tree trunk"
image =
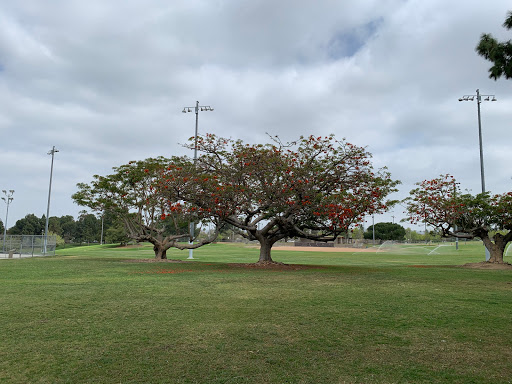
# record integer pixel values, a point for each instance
(496, 256)
(265, 248)
(496, 249)
(160, 251)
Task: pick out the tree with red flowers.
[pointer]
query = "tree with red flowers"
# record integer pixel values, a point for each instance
(130, 194)
(440, 203)
(315, 188)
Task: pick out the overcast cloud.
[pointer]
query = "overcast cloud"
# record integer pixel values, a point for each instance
(106, 81)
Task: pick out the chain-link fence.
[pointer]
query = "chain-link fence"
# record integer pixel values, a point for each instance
(27, 246)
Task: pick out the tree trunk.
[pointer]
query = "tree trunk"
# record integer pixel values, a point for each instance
(496, 256)
(160, 251)
(496, 248)
(265, 248)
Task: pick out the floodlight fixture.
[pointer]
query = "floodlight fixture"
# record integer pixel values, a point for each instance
(7, 199)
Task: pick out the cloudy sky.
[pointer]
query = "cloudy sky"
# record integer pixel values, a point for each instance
(105, 83)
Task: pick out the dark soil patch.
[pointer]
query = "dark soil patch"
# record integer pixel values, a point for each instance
(263, 266)
(156, 261)
(487, 265)
(433, 266)
(275, 266)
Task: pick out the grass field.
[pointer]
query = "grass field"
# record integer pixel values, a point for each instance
(91, 315)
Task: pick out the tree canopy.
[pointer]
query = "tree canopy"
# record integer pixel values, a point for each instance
(385, 231)
(440, 203)
(29, 225)
(315, 188)
(498, 53)
(130, 194)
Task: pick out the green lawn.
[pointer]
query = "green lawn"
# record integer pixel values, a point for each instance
(88, 315)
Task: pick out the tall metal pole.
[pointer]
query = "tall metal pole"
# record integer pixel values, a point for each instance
(192, 226)
(195, 135)
(482, 176)
(8, 198)
(480, 141)
(51, 152)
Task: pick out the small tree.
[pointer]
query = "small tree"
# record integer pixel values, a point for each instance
(412, 236)
(116, 233)
(315, 188)
(386, 231)
(129, 194)
(499, 53)
(440, 203)
(358, 233)
(87, 228)
(68, 226)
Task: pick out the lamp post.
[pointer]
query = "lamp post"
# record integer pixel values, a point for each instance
(478, 102)
(196, 109)
(8, 198)
(51, 152)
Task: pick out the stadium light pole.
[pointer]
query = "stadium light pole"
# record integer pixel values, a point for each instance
(196, 109)
(478, 97)
(51, 152)
(478, 102)
(8, 198)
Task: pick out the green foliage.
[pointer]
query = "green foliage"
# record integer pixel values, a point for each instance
(499, 53)
(115, 231)
(412, 236)
(358, 233)
(386, 231)
(68, 227)
(59, 240)
(2, 227)
(116, 234)
(54, 225)
(29, 225)
(88, 228)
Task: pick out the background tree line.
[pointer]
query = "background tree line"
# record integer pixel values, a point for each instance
(87, 228)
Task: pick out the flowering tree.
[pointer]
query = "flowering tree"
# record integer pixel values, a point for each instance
(315, 188)
(130, 195)
(440, 203)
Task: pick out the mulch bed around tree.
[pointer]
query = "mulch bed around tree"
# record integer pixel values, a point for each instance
(275, 266)
(486, 265)
(157, 261)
